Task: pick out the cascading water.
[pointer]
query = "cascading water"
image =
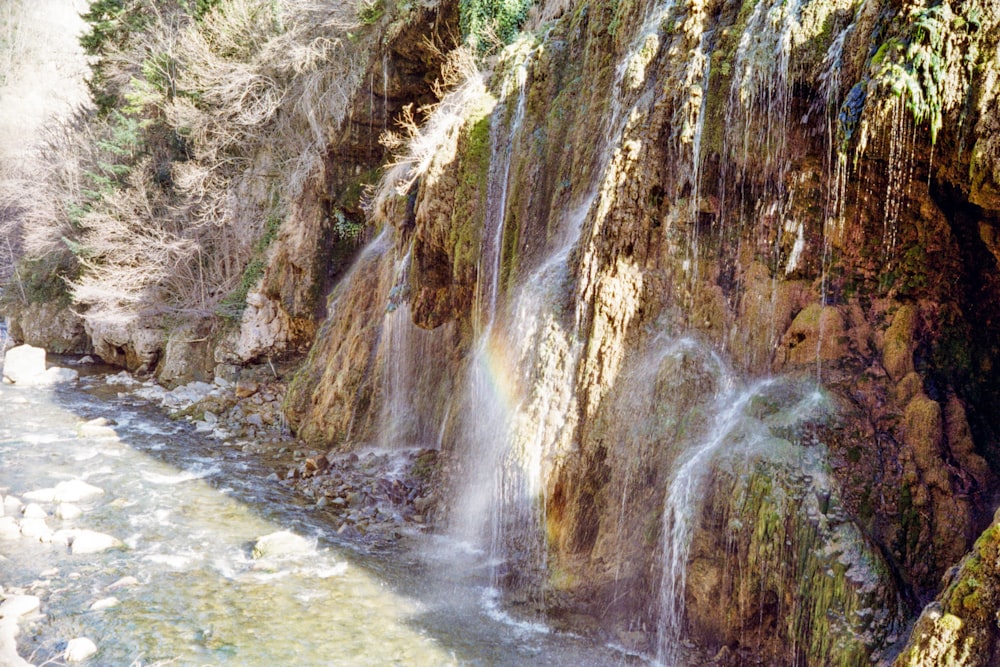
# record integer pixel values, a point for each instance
(523, 371)
(409, 354)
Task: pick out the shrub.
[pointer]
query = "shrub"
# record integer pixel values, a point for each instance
(487, 24)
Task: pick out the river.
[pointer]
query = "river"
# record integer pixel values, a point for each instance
(184, 588)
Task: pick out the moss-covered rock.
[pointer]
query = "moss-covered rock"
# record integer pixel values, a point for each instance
(959, 628)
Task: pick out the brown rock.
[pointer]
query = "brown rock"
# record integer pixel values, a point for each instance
(246, 388)
(898, 344)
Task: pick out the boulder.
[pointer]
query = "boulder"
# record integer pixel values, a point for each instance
(40, 496)
(35, 511)
(36, 529)
(127, 581)
(11, 505)
(57, 374)
(96, 428)
(23, 364)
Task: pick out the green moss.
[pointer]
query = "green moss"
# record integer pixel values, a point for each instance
(484, 22)
(470, 196)
(233, 305)
(370, 11)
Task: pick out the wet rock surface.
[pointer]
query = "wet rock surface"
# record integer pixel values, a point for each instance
(371, 496)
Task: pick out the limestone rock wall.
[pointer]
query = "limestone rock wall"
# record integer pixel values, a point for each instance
(806, 188)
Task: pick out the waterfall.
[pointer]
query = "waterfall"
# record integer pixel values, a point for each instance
(411, 370)
(684, 498)
(521, 407)
(489, 390)
(502, 151)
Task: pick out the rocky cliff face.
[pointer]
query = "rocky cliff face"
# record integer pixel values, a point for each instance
(800, 190)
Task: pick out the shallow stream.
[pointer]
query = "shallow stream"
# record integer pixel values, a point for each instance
(184, 587)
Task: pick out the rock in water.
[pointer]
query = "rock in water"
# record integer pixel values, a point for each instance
(68, 511)
(75, 491)
(105, 603)
(9, 528)
(282, 543)
(79, 649)
(34, 511)
(23, 363)
(90, 542)
(57, 374)
(19, 605)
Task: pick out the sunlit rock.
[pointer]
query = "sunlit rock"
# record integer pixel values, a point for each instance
(23, 364)
(89, 542)
(40, 495)
(75, 491)
(96, 428)
(16, 606)
(34, 511)
(67, 511)
(282, 543)
(127, 581)
(79, 649)
(105, 603)
(9, 528)
(57, 375)
(36, 529)
(12, 505)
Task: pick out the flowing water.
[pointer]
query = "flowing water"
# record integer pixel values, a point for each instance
(186, 587)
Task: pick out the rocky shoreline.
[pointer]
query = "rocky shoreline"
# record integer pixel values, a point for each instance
(369, 497)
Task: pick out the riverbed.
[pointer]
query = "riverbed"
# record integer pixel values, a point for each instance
(182, 585)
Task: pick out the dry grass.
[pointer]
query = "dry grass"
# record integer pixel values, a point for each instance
(258, 90)
(415, 146)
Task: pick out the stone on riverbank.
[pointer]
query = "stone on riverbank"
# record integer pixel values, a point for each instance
(96, 428)
(79, 649)
(11, 506)
(36, 529)
(35, 511)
